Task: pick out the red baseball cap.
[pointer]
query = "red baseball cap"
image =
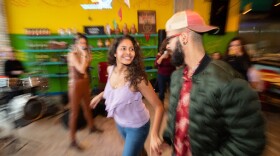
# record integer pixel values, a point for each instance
(188, 19)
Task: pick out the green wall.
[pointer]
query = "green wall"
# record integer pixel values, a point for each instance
(217, 43)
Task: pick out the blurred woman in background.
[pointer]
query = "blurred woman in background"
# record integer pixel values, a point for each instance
(237, 56)
(79, 60)
(165, 69)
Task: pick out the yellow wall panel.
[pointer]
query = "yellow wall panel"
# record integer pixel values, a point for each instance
(55, 14)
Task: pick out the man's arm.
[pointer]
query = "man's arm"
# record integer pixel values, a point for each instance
(243, 119)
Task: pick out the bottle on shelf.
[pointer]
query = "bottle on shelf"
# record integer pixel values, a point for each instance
(99, 43)
(61, 31)
(117, 30)
(107, 29)
(125, 29)
(107, 43)
(133, 29)
(69, 31)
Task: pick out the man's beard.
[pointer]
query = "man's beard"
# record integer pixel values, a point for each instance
(177, 58)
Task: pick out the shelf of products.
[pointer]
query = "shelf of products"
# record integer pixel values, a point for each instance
(66, 50)
(55, 36)
(45, 50)
(41, 54)
(45, 63)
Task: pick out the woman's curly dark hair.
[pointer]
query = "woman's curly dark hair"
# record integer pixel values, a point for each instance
(136, 71)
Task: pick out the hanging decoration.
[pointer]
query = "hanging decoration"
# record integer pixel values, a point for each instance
(147, 36)
(115, 24)
(120, 13)
(127, 2)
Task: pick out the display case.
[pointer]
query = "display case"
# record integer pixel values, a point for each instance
(44, 55)
(269, 68)
(260, 31)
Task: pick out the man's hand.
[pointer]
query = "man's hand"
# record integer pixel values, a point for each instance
(155, 144)
(163, 146)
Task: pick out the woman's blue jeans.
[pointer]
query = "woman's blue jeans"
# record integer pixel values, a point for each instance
(134, 139)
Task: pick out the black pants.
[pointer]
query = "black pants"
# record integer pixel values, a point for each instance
(163, 83)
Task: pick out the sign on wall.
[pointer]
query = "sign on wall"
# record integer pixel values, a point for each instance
(94, 30)
(146, 21)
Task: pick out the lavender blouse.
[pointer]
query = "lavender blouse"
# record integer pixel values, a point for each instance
(124, 105)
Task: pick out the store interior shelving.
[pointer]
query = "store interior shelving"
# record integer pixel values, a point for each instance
(40, 57)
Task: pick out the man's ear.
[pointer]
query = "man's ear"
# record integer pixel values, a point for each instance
(184, 38)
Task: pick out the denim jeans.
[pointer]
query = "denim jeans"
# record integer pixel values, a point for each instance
(134, 139)
(163, 82)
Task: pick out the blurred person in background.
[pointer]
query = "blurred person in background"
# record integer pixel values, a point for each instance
(239, 59)
(212, 110)
(254, 78)
(216, 56)
(79, 59)
(237, 56)
(126, 85)
(13, 68)
(165, 69)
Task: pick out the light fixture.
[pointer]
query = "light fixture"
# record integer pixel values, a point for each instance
(247, 8)
(98, 5)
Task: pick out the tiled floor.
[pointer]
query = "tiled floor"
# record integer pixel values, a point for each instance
(48, 137)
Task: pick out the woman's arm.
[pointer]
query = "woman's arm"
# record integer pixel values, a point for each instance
(99, 97)
(96, 100)
(160, 58)
(82, 64)
(149, 94)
